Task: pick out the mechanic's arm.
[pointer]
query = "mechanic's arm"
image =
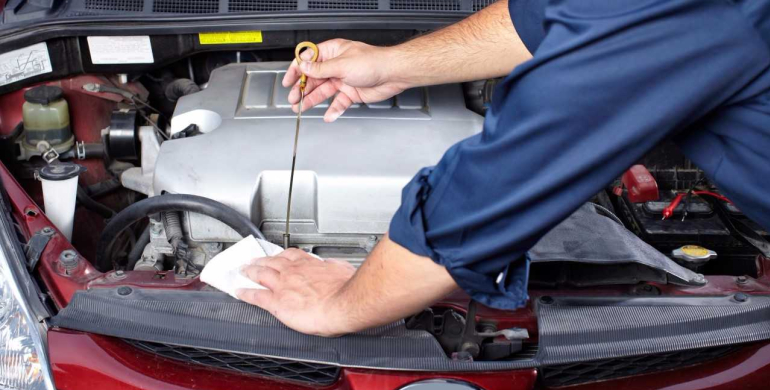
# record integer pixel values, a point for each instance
(484, 45)
(391, 284)
(609, 82)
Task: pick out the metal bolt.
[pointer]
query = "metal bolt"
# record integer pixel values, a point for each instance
(472, 348)
(546, 300)
(119, 272)
(699, 278)
(742, 279)
(68, 259)
(741, 297)
(47, 230)
(372, 238)
(488, 328)
(124, 290)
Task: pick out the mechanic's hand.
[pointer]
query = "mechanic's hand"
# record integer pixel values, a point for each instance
(300, 290)
(354, 69)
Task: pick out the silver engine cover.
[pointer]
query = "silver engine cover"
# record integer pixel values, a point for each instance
(349, 173)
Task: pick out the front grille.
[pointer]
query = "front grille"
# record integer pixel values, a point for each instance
(600, 370)
(311, 373)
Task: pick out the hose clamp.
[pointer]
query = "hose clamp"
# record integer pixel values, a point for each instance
(80, 150)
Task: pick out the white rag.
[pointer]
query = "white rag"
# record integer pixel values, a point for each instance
(223, 272)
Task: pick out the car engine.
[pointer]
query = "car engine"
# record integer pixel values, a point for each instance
(232, 143)
(163, 167)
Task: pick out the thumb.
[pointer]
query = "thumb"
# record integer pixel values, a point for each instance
(322, 70)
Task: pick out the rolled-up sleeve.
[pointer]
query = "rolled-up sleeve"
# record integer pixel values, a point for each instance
(610, 81)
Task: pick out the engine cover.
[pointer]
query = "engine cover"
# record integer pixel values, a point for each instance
(349, 173)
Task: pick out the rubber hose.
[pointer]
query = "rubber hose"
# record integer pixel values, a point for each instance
(173, 228)
(138, 249)
(180, 87)
(103, 188)
(90, 204)
(169, 202)
(95, 150)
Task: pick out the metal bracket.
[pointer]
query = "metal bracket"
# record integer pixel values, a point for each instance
(50, 155)
(473, 344)
(36, 246)
(461, 340)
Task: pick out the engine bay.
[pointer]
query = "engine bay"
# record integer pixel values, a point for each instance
(218, 125)
(173, 165)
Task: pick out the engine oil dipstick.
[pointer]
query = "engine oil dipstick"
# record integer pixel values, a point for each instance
(302, 84)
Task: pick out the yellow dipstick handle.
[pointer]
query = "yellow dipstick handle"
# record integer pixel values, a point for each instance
(297, 51)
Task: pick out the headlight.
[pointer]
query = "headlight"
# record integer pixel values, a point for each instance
(23, 361)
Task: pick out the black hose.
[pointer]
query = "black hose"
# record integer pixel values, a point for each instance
(102, 188)
(179, 88)
(94, 150)
(138, 249)
(90, 204)
(169, 202)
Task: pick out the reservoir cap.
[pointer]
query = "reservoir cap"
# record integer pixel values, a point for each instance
(44, 94)
(61, 171)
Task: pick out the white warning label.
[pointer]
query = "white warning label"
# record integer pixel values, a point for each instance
(24, 63)
(120, 50)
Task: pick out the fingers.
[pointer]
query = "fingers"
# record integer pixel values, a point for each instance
(266, 276)
(306, 54)
(341, 262)
(319, 95)
(326, 51)
(312, 84)
(261, 298)
(292, 75)
(338, 106)
(278, 263)
(295, 255)
(323, 70)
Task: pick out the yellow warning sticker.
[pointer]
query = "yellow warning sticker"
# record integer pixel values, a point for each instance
(226, 38)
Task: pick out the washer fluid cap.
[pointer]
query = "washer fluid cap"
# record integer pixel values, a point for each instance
(693, 254)
(61, 171)
(44, 94)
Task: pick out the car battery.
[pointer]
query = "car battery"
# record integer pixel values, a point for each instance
(702, 226)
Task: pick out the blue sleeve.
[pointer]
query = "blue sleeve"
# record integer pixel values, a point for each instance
(610, 80)
(528, 17)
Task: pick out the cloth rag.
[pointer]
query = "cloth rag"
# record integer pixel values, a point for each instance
(223, 272)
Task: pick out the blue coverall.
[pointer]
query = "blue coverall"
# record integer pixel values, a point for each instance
(610, 79)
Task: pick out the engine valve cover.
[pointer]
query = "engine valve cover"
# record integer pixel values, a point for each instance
(349, 173)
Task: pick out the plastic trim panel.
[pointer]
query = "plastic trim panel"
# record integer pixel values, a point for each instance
(570, 329)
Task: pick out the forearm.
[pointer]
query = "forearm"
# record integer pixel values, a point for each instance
(391, 284)
(484, 45)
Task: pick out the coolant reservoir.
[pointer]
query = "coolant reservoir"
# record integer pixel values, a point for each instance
(46, 119)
